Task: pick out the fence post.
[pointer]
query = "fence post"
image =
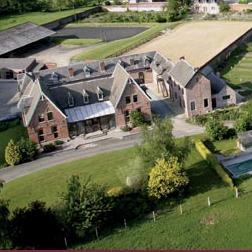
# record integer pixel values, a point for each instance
(180, 208)
(96, 233)
(236, 193)
(154, 216)
(65, 241)
(208, 201)
(125, 223)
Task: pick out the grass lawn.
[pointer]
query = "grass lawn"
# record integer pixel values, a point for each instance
(238, 70)
(226, 147)
(81, 42)
(47, 185)
(118, 47)
(15, 133)
(36, 17)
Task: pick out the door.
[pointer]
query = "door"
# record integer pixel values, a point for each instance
(214, 103)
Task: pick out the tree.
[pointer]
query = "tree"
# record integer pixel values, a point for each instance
(28, 149)
(224, 7)
(13, 154)
(215, 129)
(136, 118)
(176, 9)
(4, 224)
(86, 207)
(36, 227)
(160, 143)
(166, 177)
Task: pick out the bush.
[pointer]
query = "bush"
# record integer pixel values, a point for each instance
(49, 148)
(28, 149)
(224, 7)
(13, 155)
(215, 129)
(214, 163)
(136, 118)
(115, 191)
(166, 177)
(58, 142)
(243, 124)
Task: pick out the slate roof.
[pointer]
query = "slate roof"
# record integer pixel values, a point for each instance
(16, 63)
(182, 72)
(121, 78)
(217, 84)
(22, 35)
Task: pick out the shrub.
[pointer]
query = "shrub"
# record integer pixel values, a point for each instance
(115, 191)
(166, 177)
(49, 147)
(224, 7)
(13, 155)
(28, 149)
(207, 155)
(215, 129)
(136, 118)
(126, 128)
(243, 124)
(3, 126)
(58, 142)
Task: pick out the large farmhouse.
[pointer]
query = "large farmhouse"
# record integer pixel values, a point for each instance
(90, 96)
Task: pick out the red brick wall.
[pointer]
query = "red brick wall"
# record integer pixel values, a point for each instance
(198, 90)
(143, 103)
(58, 120)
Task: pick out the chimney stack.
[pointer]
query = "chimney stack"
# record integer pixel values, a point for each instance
(71, 72)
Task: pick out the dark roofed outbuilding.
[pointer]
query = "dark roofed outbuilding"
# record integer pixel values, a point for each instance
(22, 35)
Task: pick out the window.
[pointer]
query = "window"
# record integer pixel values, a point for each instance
(70, 100)
(41, 118)
(135, 98)
(127, 116)
(127, 99)
(226, 97)
(50, 116)
(54, 131)
(205, 103)
(141, 77)
(100, 94)
(41, 135)
(85, 97)
(193, 107)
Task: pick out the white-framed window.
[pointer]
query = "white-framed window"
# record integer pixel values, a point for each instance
(41, 117)
(70, 100)
(100, 95)
(41, 135)
(87, 71)
(50, 116)
(85, 97)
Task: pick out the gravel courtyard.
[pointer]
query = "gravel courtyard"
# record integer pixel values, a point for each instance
(197, 41)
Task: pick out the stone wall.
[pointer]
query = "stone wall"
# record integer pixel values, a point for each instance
(66, 20)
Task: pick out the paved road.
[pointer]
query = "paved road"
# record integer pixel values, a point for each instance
(11, 173)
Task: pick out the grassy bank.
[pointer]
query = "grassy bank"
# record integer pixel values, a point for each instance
(80, 42)
(118, 47)
(36, 17)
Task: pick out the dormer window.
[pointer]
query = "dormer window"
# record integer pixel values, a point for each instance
(85, 97)
(54, 77)
(70, 100)
(147, 61)
(87, 71)
(100, 94)
(71, 72)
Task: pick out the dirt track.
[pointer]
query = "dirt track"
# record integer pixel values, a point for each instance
(197, 41)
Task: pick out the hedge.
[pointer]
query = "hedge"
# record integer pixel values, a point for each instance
(211, 159)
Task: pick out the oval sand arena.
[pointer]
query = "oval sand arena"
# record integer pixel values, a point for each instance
(198, 42)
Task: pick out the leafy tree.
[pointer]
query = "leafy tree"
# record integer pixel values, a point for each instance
(86, 206)
(215, 129)
(4, 224)
(28, 149)
(160, 143)
(136, 118)
(13, 154)
(176, 9)
(166, 177)
(224, 7)
(36, 227)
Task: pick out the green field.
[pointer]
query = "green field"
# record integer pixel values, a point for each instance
(118, 47)
(36, 17)
(238, 70)
(15, 133)
(47, 185)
